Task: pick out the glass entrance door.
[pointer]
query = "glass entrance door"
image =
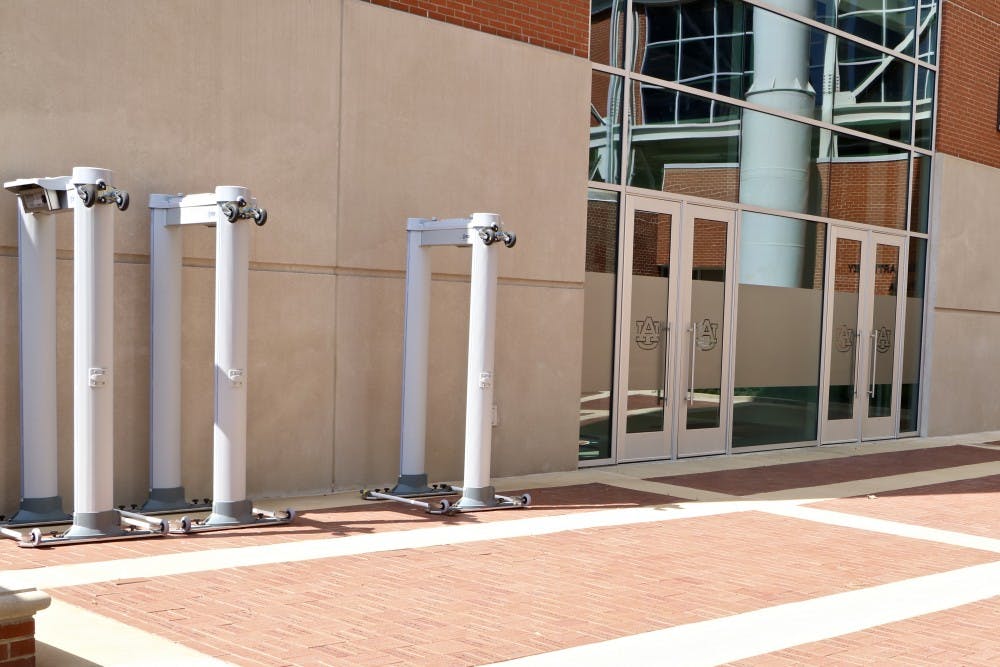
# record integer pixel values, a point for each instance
(705, 283)
(673, 367)
(863, 315)
(646, 329)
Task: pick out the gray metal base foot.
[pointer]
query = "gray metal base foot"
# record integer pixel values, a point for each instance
(88, 525)
(166, 500)
(41, 511)
(415, 486)
(230, 512)
(478, 498)
(408, 485)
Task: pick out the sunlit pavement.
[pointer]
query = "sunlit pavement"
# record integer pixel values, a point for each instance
(884, 553)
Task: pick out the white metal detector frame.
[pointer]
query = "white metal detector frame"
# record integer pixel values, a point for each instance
(227, 210)
(39, 200)
(88, 193)
(484, 233)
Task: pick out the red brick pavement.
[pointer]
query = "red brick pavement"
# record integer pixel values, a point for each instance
(369, 517)
(964, 635)
(488, 601)
(786, 476)
(967, 506)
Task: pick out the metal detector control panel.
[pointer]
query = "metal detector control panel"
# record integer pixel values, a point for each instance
(42, 195)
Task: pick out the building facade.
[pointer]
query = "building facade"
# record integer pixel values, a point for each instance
(741, 225)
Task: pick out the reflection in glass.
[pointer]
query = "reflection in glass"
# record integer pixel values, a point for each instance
(606, 97)
(607, 32)
(910, 388)
(870, 188)
(927, 27)
(921, 193)
(925, 108)
(596, 389)
(700, 44)
(876, 92)
(844, 343)
(684, 144)
(703, 344)
(779, 326)
(889, 23)
(649, 336)
(882, 339)
(784, 165)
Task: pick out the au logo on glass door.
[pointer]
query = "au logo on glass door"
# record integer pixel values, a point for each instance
(647, 333)
(706, 334)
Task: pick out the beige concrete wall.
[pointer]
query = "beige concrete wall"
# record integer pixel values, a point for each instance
(964, 355)
(343, 119)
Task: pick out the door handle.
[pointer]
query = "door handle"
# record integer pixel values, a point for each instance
(666, 367)
(857, 360)
(690, 392)
(871, 384)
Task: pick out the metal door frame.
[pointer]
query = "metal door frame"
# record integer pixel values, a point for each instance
(631, 447)
(861, 427)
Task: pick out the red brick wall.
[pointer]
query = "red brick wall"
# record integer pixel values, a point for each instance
(561, 25)
(969, 76)
(719, 183)
(869, 192)
(17, 644)
(602, 236)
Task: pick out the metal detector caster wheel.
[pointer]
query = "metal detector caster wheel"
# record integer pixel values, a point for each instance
(526, 499)
(36, 537)
(445, 506)
(185, 524)
(87, 193)
(290, 514)
(164, 527)
(260, 217)
(121, 201)
(231, 211)
(509, 239)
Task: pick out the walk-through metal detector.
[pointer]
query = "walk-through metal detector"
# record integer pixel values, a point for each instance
(227, 210)
(484, 232)
(39, 200)
(88, 194)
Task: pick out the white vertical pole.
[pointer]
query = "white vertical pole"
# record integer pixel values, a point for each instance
(416, 340)
(232, 250)
(476, 490)
(166, 250)
(37, 291)
(93, 362)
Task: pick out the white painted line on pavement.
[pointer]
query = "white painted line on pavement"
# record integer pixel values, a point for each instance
(897, 528)
(772, 629)
(56, 576)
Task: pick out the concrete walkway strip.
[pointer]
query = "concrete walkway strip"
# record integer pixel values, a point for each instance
(784, 626)
(65, 636)
(57, 576)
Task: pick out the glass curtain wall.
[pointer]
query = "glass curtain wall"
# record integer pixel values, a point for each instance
(730, 101)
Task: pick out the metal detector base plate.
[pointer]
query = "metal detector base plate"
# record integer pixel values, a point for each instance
(502, 503)
(177, 510)
(189, 528)
(442, 490)
(32, 524)
(59, 540)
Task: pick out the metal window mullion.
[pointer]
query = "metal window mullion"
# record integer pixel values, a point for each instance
(775, 112)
